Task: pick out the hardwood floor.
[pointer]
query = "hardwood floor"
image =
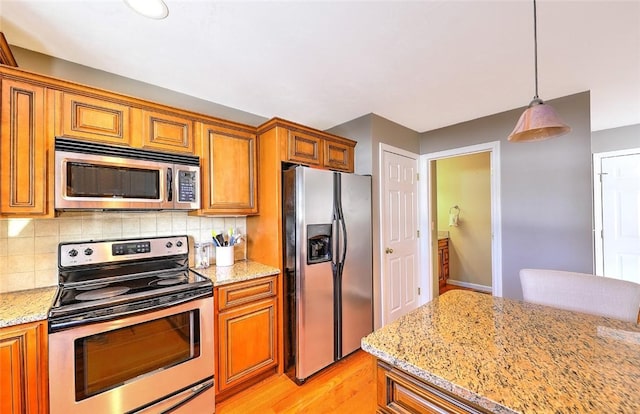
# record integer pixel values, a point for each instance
(346, 387)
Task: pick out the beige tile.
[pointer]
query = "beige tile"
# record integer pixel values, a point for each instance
(147, 224)
(164, 223)
(18, 281)
(193, 223)
(19, 263)
(20, 246)
(20, 228)
(3, 248)
(45, 278)
(112, 226)
(148, 234)
(46, 227)
(130, 227)
(45, 261)
(48, 244)
(91, 227)
(4, 226)
(69, 227)
(179, 223)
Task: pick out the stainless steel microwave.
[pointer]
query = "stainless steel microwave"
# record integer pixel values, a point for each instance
(92, 176)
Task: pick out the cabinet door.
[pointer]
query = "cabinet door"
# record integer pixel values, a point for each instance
(228, 166)
(304, 149)
(166, 132)
(246, 342)
(23, 149)
(338, 156)
(23, 358)
(93, 119)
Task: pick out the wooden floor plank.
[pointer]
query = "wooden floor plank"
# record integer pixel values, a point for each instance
(348, 387)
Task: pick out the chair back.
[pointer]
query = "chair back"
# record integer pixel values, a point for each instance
(582, 292)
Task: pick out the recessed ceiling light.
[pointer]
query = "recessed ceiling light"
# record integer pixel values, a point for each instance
(154, 9)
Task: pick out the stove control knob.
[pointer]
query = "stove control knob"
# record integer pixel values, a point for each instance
(179, 243)
(169, 245)
(73, 252)
(88, 251)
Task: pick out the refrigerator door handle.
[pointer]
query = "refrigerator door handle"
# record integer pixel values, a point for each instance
(343, 241)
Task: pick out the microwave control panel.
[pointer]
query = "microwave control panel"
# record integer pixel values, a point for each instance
(187, 186)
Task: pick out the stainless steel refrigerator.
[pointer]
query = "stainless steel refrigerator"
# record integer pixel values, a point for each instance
(328, 281)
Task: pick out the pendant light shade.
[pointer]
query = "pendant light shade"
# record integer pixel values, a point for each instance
(539, 121)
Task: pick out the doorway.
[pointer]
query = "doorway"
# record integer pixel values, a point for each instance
(617, 214)
(429, 205)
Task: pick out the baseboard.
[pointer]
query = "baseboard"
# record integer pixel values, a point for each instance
(474, 286)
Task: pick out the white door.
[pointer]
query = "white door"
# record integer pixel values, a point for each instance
(621, 216)
(399, 244)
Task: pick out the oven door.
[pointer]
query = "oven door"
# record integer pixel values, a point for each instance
(155, 362)
(89, 181)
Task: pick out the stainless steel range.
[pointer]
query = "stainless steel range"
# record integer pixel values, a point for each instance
(131, 329)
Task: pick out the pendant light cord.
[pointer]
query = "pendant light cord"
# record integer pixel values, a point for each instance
(535, 46)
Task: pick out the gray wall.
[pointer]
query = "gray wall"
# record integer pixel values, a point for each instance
(65, 70)
(546, 195)
(622, 138)
(369, 131)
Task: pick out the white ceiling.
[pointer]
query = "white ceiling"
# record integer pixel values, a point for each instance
(422, 64)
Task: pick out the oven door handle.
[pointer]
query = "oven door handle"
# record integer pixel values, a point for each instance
(58, 324)
(172, 403)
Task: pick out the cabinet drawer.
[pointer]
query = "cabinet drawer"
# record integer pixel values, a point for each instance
(94, 119)
(243, 292)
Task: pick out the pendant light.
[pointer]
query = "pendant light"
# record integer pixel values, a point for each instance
(539, 121)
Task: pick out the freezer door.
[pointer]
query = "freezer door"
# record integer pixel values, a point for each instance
(357, 274)
(314, 289)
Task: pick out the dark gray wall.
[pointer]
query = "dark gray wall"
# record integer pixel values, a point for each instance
(62, 69)
(360, 130)
(615, 139)
(546, 190)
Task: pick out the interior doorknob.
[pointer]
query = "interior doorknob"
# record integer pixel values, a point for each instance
(388, 250)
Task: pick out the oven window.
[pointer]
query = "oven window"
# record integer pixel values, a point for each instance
(94, 180)
(107, 360)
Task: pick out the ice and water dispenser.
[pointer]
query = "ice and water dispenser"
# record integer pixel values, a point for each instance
(318, 243)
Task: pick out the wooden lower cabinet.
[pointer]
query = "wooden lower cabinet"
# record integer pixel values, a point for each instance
(246, 334)
(443, 261)
(23, 363)
(399, 392)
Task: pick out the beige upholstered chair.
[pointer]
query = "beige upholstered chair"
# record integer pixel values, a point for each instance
(582, 292)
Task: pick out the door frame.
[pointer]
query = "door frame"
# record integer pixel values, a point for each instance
(426, 219)
(422, 280)
(598, 256)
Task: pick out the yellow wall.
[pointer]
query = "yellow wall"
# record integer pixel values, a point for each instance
(466, 182)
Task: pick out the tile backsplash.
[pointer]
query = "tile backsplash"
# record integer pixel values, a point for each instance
(29, 247)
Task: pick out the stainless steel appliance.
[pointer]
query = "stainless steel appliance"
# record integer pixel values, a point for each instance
(131, 329)
(92, 176)
(328, 267)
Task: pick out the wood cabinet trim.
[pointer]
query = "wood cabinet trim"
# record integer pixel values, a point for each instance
(292, 126)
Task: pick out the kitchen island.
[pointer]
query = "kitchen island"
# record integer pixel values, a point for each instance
(472, 352)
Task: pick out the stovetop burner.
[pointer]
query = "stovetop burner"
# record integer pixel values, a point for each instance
(102, 279)
(102, 293)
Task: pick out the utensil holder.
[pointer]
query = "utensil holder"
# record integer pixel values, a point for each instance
(224, 256)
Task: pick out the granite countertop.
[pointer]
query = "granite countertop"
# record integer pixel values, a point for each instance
(25, 306)
(33, 305)
(240, 271)
(514, 357)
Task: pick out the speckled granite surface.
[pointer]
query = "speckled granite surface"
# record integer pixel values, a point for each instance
(25, 306)
(514, 357)
(241, 270)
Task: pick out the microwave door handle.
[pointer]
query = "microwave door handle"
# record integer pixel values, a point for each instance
(169, 184)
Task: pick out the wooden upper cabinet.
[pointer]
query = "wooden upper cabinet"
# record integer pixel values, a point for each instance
(23, 149)
(304, 149)
(93, 119)
(166, 132)
(228, 170)
(24, 379)
(338, 155)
